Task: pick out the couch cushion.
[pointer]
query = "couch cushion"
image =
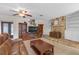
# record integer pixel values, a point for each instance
(18, 49)
(15, 48)
(5, 47)
(1, 39)
(23, 50)
(5, 36)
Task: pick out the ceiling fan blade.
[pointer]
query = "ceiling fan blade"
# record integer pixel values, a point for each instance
(28, 15)
(15, 14)
(13, 10)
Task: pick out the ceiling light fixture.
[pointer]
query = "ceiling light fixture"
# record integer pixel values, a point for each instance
(21, 12)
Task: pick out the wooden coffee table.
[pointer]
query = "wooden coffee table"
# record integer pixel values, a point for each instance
(41, 47)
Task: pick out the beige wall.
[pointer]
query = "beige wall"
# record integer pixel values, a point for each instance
(15, 21)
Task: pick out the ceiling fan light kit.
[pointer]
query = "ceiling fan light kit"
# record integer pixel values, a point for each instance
(22, 13)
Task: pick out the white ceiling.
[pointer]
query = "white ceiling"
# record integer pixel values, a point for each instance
(47, 9)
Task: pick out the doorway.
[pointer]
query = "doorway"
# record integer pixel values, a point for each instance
(22, 28)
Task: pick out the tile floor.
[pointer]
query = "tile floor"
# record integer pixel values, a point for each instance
(59, 49)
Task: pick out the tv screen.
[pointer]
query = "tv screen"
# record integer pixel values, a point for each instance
(32, 29)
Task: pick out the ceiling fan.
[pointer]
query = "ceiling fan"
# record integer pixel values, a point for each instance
(21, 12)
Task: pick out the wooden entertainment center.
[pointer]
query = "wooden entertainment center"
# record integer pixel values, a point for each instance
(37, 31)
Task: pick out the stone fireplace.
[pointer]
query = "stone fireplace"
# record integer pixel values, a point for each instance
(58, 27)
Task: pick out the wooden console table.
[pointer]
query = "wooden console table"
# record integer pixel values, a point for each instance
(42, 48)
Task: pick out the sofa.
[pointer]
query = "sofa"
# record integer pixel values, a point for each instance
(11, 47)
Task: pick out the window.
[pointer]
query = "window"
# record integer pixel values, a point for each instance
(7, 27)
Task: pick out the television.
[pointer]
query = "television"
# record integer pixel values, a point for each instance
(32, 29)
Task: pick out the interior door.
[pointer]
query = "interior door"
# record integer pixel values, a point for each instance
(22, 28)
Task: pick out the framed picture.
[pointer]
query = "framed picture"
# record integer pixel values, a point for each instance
(56, 21)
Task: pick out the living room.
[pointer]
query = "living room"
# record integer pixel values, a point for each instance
(39, 29)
